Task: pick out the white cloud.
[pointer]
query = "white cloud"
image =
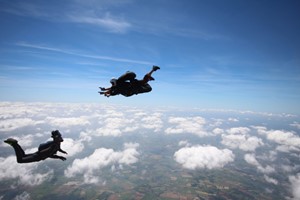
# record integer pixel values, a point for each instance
(242, 142)
(288, 140)
(93, 120)
(218, 131)
(116, 123)
(71, 146)
(152, 121)
(24, 140)
(251, 159)
(68, 121)
(296, 124)
(19, 110)
(85, 136)
(287, 148)
(238, 137)
(231, 119)
(238, 130)
(108, 22)
(86, 13)
(13, 124)
(184, 143)
(295, 184)
(24, 173)
(192, 125)
(131, 145)
(101, 158)
(271, 180)
(203, 157)
(216, 122)
(112, 126)
(284, 137)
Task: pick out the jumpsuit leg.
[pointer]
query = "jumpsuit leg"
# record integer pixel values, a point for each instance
(24, 158)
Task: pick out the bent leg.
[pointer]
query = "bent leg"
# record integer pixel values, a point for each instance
(19, 151)
(148, 76)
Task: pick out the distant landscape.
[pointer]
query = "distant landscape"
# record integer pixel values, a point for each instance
(132, 153)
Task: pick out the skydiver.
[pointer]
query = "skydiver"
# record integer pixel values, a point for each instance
(112, 90)
(45, 150)
(128, 85)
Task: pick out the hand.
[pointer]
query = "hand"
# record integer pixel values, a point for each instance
(102, 88)
(63, 158)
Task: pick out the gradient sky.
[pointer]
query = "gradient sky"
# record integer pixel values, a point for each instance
(214, 54)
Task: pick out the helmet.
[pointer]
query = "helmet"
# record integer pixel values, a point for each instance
(113, 81)
(55, 134)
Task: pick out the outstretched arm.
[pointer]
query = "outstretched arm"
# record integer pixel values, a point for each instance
(104, 89)
(60, 150)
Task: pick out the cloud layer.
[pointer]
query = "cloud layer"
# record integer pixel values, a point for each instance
(110, 138)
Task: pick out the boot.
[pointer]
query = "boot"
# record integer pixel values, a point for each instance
(11, 141)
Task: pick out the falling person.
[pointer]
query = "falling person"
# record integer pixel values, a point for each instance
(45, 150)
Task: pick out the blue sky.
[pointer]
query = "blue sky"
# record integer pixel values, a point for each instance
(242, 55)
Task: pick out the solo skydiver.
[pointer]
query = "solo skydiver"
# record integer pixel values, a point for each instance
(45, 150)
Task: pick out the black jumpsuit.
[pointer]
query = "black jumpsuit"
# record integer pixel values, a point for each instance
(128, 85)
(48, 152)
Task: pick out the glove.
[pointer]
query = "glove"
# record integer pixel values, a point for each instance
(63, 158)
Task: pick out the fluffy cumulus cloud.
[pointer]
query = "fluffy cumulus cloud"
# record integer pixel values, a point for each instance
(101, 158)
(116, 123)
(114, 126)
(152, 121)
(25, 174)
(287, 140)
(198, 157)
(238, 130)
(239, 138)
(218, 131)
(179, 125)
(243, 142)
(71, 146)
(295, 182)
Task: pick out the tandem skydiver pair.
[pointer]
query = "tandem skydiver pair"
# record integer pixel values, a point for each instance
(127, 84)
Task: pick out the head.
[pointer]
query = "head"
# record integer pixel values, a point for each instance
(113, 81)
(56, 136)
